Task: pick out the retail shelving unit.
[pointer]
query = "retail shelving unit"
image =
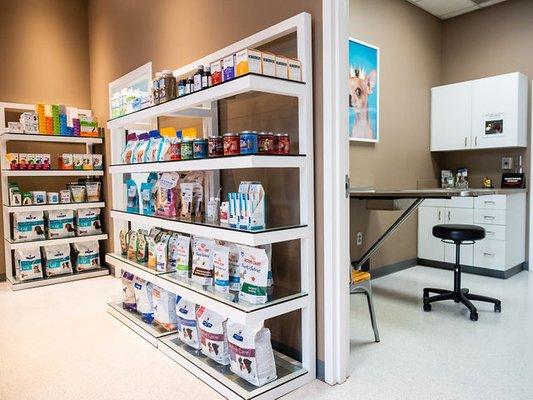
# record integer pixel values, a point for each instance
(291, 373)
(6, 173)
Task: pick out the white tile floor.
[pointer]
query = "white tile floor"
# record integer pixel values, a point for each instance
(59, 343)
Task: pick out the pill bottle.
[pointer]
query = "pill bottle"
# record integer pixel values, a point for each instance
(207, 79)
(198, 77)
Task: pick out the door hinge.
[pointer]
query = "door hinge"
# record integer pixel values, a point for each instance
(347, 186)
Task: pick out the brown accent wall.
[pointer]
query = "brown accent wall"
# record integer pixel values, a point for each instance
(410, 44)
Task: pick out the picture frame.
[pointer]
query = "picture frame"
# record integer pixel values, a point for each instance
(364, 91)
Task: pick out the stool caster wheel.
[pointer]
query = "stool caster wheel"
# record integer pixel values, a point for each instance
(427, 307)
(497, 308)
(473, 316)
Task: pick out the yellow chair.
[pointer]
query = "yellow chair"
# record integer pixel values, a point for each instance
(361, 283)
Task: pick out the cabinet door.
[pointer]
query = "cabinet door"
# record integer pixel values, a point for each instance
(429, 247)
(459, 216)
(499, 115)
(451, 117)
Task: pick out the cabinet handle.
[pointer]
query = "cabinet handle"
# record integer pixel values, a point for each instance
(475, 141)
(490, 202)
(449, 215)
(439, 214)
(488, 217)
(488, 254)
(466, 144)
(490, 233)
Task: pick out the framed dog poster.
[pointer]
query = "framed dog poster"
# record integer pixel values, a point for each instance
(363, 84)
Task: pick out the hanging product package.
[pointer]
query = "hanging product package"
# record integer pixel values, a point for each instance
(28, 226)
(164, 308)
(132, 204)
(128, 292)
(28, 263)
(213, 337)
(254, 279)
(251, 355)
(187, 326)
(57, 260)
(61, 224)
(143, 299)
(221, 268)
(167, 203)
(202, 262)
(88, 222)
(88, 255)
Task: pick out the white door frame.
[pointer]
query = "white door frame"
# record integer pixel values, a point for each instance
(335, 15)
(530, 195)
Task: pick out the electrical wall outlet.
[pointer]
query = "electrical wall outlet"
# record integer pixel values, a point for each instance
(359, 238)
(507, 162)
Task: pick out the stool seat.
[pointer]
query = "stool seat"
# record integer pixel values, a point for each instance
(458, 232)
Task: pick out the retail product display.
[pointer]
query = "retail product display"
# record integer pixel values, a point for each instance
(83, 191)
(187, 326)
(128, 100)
(60, 223)
(143, 298)
(80, 161)
(26, 161)
(247, 207)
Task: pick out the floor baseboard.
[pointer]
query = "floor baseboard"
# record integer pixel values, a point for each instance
(393, 268)
(493, 273)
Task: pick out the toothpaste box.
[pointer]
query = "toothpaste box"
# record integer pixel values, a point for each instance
(247, 61)
(282, 67)
(295, 70)
(269, 64)
(229, 68)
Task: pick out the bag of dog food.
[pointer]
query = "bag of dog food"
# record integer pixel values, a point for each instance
(202, 261)
(221, 268)
(167, 202)
(254, 279)
(179, 254)
(88, 255)
(28, 226)
(128, 292)
(88, 222)
(161, 256)
(213, 337)
(28, 263)
(143, 298)
(234, 268)
(187, 326)
(251, 355)
(57, 260)
(268, 250)
(61, 224)
(164, 308)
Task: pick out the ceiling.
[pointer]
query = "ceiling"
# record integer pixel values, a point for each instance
(445, 9)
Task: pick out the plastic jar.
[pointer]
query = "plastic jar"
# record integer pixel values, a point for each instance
(265, 143)
(199, 148)
(248, 142)
(282, 143)
(231, 144)
(215, 146)
(186, 150)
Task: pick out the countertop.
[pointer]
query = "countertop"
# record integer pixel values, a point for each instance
(366, 193)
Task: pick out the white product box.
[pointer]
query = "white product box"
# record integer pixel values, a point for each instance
(295, 70)
(247, 61)
(282, 67)
(269, 64)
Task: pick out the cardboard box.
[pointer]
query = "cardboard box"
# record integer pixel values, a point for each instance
(88, 126)
(295, 70)
(282, 67)
(268, 60)
(216, 72)
(229, 67)
(248, 61)
(12, 160)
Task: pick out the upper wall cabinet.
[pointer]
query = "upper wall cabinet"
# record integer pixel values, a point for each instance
(480, 114)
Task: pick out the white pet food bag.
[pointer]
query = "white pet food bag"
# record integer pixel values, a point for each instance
(88, 222)
(254, 279)
(28, 226)
(221, 268)
(128, 291)
(187, 326)
(234, 268)
(28, 263)
(164, 308)
(251, 355)
(88, 255)
(60, 224)
(213, 338)
(268, 249)
(143, 298)
(58, 260)
(202, 262)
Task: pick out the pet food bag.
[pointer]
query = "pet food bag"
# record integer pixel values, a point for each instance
(221, 268)
(167, 202)
(164, 308)
(202, 262)
(88, 255)
(251, 355)
(234, 268)
(57, 259)
(179, 250)
(143, 298)
(128, 292)
(187, 326)
(88, 222)
(254, 279)
(213, 337)
(28, 226)
(28, 263)
(61, 224)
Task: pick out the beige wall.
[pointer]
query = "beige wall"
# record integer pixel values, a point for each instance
(410, 44)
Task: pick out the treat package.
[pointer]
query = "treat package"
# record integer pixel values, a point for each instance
(213, 337)
(202, 261)
(92, 189)
(140, 149)
(220, 258)
(57, 260)
(183, 251)
(77, 193)
(197, 202)
(143, 299)
(254, 279)
(234, 268)
(164, 151)
(164, 308)
(167, 203)
(172, 255)
(128, 150)
(187, 326)
(88, 222)
(28, 263)
(78, 160)
(61, 224)
(132, 204)
(128, 292)
(152, 152)
(98, 162)
(142, 246)
(124, 242)
(151, 261)
(88, 255)
(132, 246)
(161, 256)
(148, 201)
(187, 191)
(28, 226)
(251, 354)
(87, 162)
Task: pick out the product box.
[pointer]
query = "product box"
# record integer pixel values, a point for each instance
(216, 72)
(229, 67)
(88, 126)
(98, 162)
(446, 179)
(269, 64)
(462, 178)
(31, 161)
(15, 127)
(248, 60)
(295, 70)
(45, 160)
(77, 161)
(49, 125)
(38, 161)
(12, 160)
(23, 161)
(282, 67)
(39, 197)
(87, 161)
(29, 122)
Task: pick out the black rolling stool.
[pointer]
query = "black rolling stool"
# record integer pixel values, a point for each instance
(458, 235)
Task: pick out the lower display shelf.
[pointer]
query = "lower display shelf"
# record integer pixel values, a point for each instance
(48, 242)
(17, 284)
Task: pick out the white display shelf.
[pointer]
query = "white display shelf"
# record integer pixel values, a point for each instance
(26, 137)
(49, 242)
(256, 238)
(53, 207)
(183, 105)
(207, 164)
(281, 301)
(51, 172)
(17, 284)
(226, 382)
(133, 320)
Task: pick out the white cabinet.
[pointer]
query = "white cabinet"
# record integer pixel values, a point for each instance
(479, 114)
(429, 247)
(459, 216)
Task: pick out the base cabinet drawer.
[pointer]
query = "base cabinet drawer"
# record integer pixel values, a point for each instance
(494, 232)
(490, 254)
(489, 217)
(494, 202)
